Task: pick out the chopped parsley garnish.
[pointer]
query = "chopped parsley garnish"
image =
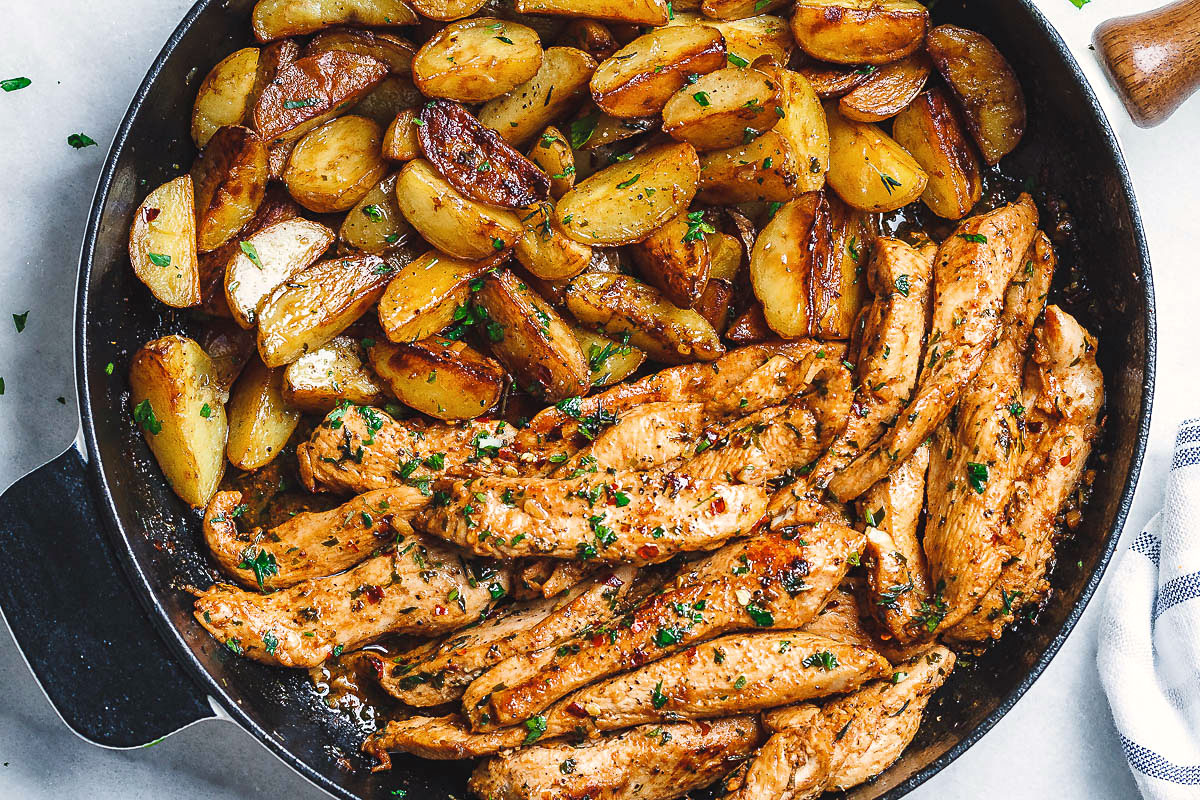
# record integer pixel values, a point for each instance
(373, 212)
(19, 321)
(740, 683)
(902, 285)
(143, 414)
(630, 182)
(824, 661)
(976, 238)
(534, 728)
(697, 227)
(206, 411)
(13, 84)
(263, 565)
(738, 61)
(159, 260)
(657, 698)
(251, 253)
(581, 130)
(977, 476)
(1016, 409)
(80, 141)
(762, 618)
(305, 103)
(270, 642)
(702, 98)
(890, 183)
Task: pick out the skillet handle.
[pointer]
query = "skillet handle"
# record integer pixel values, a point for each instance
(89, 642)
(1152, 59)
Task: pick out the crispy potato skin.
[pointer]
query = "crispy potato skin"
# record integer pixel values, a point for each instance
(445, 379)
(224, 95)
(162, 244)
(422, 298)
(313, 90)
(785, 259)
(723, 108)
(447, 10)
(260, 423)
(229, 179)
(556, 90)
(675, 259)
(859, 31)
(454, 224)
(552, 154)
(868, 169)
(929, 130)
(334, 166)
(638, 79)
(475, 60)
(275, 19)
(637, 12)
(400, 142)
(887, 91)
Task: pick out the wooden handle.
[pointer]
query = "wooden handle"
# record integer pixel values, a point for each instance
(1153, 59)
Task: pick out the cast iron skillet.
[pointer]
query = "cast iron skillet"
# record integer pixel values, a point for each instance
(104, 620)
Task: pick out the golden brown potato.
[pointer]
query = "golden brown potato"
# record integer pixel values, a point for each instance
(272, 58)
(455, 225)
(638, 79)
(842, 282)
(590, 36)
(400, 142)
(275, 19)
(447, 10)
(229, 178)
(224, 94)
(475, 60)
(985, 85)
(609, 361)
(476, 160)
(868, 169)
(259, 421)
(722, 109)
(176, 402)
(725, 256)
(739, 9)
(312, 91)
(423, 296)
(747, 40)
(887, 91)
(376, 225)
(789, 250)
(637, 12)
(557, 88)
(804, 126)
(530, 339)
(929, 131)
(396, 53)
(675, 258)
(320, 302)
(859, 31)
(545, 250)
(334, 167)
(750, 327)
(269, 258)
(716, 304)
(625, 202)
(391, 95)
(594, 129)
(762, 170)
(320, 381)
(230, 348)
(162, 244)
(831, 81)
(619, 304)
(552, 153)
(442, 378)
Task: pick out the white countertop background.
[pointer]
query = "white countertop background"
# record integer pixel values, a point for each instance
(87, 59)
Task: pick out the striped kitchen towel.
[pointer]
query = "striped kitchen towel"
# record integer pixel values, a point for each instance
(1149, 649)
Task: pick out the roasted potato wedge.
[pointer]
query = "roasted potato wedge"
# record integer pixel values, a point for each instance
(985, 85)
(319, 381)
(455, 225)
(312, 91)
(376, 225)
(803, 125)
(162, 244)
(224, 94)
(388, 49)
(764, 36)
(229, 178)
(638, 79)
(476, 160)
(391, 95)
(887, 91)
(750, 327)
(930, 132)
(791, 247)
(625, 202)
(716, 304)
(442, 378)
(275, 19)
(739, 9)
(260, 423)
(859, 31)
(447, 10)
(619, 304)
(176, 402)
(722, 109)
(531, 339)
(400, 142)
(595, 129)
(635, 12)
(423, 296)
(675, 258)
(230, 348)
(831, 81)
(320, 302)
(841, 284)
(609, 361)
(334, 166)
(552, 154)
(868, 169)
(725, 257)
(272, 58)
(590, 36)
(557, 88)
(269, 258)
(762, 170)
(545, 250)
(475, 60)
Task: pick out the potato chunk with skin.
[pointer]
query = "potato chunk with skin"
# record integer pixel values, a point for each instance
(930, 132)
(229, 178)
(319, 380)
(859, 31)
(224, 94)
(475, 60)
(400, 142)
(552, 153)
(638, 12)
(442, 378)
(675, 258)
(275, 19)
(176, 402)
(162, 244)
(376, 225)
(387, 48)
(557, 88)
(269, 258)
(784, 257)
(260, 423)
(311, 91)
(335, 166)
(455, 225)
(888, 91)
(626, 202)
(609, 361)
(868, 169)
(422, 297)
(722, 109)
(638, 79)
(447, 10)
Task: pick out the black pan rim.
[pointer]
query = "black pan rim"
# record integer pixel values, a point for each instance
(205, 680)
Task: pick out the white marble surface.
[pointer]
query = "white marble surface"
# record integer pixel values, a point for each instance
(86, 60)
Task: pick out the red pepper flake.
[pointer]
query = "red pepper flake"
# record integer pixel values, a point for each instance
(439, 611)
(151, 214)
(718, 505)
(598, 640)
(576, 710)
(1065, 460)
(647, 552)
(374, 594)
(704, 727)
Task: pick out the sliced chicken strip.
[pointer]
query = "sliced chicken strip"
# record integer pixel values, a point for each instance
(359, 449)
(975, 458)
(550, 576)
(1065, 393)
(662, 762)
(774, 580)
(311, 544)
(639, 517)
(440, 677)
(844, 618)
(414, 589)
(972, 271)
(645, 437)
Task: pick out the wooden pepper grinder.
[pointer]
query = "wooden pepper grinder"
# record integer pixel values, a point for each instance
(1153, 59)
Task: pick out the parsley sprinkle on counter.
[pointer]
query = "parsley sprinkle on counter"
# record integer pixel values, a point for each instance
(13, 84)
(80, 141)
